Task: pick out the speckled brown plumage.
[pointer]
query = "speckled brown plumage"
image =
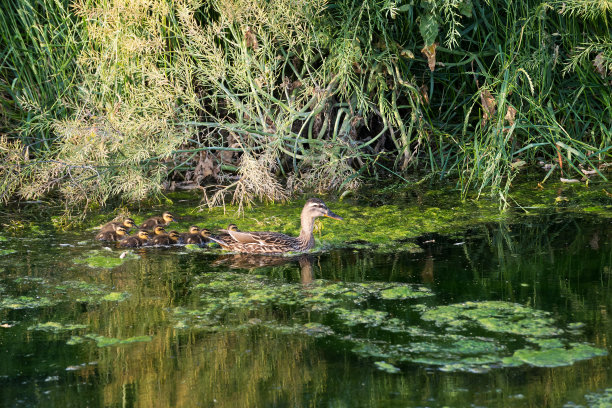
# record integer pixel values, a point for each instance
(274, 242)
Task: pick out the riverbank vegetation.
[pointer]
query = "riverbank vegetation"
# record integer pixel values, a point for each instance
(255, 99)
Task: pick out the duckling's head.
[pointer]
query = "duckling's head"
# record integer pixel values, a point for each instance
(168, 217)
(129, 223)
(158, 230)
(144, 235)
(174, 235)
(315, 207)
(194, 229)
(121, 230)
(205, 232)
(232, 227)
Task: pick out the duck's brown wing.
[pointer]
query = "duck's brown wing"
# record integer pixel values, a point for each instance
(262, 238)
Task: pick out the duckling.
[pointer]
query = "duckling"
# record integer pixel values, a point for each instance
(194, 231)
(112, 226)
(112, 235)
(165, 219)
(158, 230)
(135, 241)
(170, 238)
(201, 238)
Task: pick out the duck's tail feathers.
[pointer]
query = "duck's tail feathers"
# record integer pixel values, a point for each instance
(218, 241)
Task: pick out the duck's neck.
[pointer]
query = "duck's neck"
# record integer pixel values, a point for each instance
(306, 239)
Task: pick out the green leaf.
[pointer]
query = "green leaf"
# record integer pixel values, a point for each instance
(466, 8)
(429, 28)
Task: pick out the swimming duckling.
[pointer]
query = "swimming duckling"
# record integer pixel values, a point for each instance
(165, 219)
(158, 230)
(205, 235)
(199, 238)
(193, 230)
(112, 235)
(170, 238)
(135, 241)
(112, 226)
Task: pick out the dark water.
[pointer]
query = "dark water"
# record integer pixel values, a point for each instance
(176, 355)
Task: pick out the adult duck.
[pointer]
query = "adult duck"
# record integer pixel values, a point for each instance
(263, 242)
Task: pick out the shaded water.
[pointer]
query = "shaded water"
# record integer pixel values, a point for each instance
(191, 328)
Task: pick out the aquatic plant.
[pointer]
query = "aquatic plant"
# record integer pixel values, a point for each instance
(248, 100)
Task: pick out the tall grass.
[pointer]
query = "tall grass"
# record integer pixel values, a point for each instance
(260, 99)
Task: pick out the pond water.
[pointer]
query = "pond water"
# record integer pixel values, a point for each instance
(508, 313)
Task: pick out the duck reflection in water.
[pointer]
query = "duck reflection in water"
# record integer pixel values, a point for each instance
(251, 261)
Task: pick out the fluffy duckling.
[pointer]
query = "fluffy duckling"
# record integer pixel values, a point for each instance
(112, 235)
(170, 238)
(135, 241)
(199, 238)
(165, 219)
(193, 231)
(205, 235)
(113, 225)
(158, 230)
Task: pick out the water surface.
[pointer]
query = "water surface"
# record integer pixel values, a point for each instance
(452, 324)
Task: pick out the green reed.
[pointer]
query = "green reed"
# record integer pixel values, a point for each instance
(256, 100)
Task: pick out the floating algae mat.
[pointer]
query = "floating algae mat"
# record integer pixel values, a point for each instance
(105, 259)
(471, 336)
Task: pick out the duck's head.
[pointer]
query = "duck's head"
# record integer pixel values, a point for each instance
(168, 217)
(144, 235)
(158, 230)
(121, 231)
(129, 223)
(232, 227)
(205, 232)
(315, 207)
(174, 235)
(194, 229)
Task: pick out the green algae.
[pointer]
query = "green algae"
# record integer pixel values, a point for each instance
(386, 367)
(26, 302)
(495, 316)
(115, 297)
(367, 317)
(103, 341)
(401, 292)
(56, 327)
(105, 259)
(600, 399)
(232, 302)
(558, 357)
